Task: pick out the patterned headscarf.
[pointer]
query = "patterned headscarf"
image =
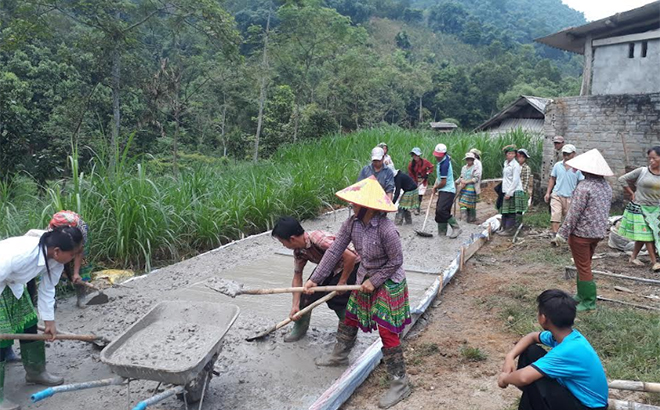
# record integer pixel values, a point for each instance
(69, 218)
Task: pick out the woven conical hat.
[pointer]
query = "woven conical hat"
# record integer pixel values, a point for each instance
(369, 194)
(591, 162)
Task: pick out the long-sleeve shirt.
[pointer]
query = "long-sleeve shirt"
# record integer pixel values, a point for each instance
(420, 170)
(378, 245)
(316, 243)
(387, 161)
(511, 178)
(22, 260)
(385, 177)
(471, 175)
(402, 182)
(646, 183)
(588, 215)
(525, 176)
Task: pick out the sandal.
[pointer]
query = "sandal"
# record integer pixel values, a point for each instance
(637, 262)
(656, 267)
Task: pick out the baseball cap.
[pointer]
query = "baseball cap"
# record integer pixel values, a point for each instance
(440, 150)
(377, 154)
(416, 151)
(559, 139)
(524, 152)
(568, 149)
(469, 155)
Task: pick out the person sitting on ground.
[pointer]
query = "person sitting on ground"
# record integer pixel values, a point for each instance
(382, 303)
(419, 170)
(562, 183)
(408, 202)
(383, 174)
(515, 201)
(641, 219)
(568, 377)
(446, 193)
(23, 258)
(587, 221)
(310, 247)
(387, 160)
(469, 188)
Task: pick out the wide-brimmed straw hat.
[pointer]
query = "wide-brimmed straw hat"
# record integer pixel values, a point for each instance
(369, 194)
(591, 162)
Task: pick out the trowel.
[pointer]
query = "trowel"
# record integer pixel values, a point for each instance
(95, 298)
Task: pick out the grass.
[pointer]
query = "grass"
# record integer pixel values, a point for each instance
(141, 216)
(473, 354)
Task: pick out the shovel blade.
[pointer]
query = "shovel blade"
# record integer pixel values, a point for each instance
(97, 299)
(424, 234)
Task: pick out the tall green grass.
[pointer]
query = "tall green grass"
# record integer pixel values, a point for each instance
(139, 214)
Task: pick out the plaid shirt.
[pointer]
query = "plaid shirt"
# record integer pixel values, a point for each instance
(378, 245)
(588, 215)
(316, 243)
(525, 176)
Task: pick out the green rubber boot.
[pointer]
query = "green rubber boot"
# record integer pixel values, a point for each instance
(472, 215)
(442, 229)
(587, 294)
(299, 330)
(33, 355)
(455, 228)
(4, 403)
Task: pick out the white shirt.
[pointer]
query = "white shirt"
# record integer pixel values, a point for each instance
(21, 260)
(387, 161)
(511, 178)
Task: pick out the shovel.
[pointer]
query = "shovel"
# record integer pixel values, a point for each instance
(426, 218)
(99, 342)
(297, 315)
(233, 289)
(59, 336)
(97, 298)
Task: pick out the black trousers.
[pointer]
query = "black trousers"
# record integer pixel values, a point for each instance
(443, 207)
(546, 393)
(339, 302)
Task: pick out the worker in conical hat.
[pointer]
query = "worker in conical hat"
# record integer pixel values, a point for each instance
(382, 303)
(587, 221)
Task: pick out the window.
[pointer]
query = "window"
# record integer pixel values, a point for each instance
(631, 50)
(645, 46)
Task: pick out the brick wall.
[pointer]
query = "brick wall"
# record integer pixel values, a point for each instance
(622, 127)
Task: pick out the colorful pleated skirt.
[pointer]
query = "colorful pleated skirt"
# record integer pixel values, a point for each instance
(409, 200)
(16, 315)
(468, 197)
(517, 204)
(640, 223)
(387, 306)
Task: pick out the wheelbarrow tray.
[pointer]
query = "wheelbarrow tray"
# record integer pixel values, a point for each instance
(215, 318)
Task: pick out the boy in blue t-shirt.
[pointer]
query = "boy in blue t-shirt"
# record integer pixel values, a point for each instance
(568, 377)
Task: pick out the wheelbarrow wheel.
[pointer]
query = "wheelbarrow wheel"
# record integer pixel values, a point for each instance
(195, 387)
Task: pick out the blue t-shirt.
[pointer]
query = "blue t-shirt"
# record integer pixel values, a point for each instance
(576, 366)
(444, 170)
(565, 179)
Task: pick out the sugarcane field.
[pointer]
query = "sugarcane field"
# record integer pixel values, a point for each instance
(330, 204)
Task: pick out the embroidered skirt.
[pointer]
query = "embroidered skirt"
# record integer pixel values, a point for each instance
(641, 223)
(409, 200)
(387, 306)
(468, 197)
(517, 204)
(16, 315)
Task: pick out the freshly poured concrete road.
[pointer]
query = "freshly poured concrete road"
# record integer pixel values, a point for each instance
(268, 374)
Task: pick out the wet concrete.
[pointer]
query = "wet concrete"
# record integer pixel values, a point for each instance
(264, 374)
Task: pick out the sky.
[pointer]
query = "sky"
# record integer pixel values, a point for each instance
(598, 9)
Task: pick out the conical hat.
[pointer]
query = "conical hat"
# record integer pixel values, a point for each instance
(591, 162)
(369, 194)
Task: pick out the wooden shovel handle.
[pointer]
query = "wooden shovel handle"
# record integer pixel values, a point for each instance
(343, 288)
(306, 309)
(89, 285)
(31, 336)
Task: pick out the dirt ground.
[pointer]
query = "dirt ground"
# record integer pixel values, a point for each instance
(455, 353)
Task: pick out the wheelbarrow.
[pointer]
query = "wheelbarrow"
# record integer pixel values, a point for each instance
(176, 343)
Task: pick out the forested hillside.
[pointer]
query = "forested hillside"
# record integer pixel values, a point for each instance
(238, 78)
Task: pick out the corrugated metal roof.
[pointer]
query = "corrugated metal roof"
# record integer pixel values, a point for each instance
(527, 124)
(633, 21)
(441, 124)
(538, 103)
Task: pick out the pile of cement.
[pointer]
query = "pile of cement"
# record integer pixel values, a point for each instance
(171, 346)
(226, 286)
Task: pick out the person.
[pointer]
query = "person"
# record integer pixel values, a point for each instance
(446, 193)
(515, 200)
(587, 221)
(310, 247)
(387, 160)
(419, 169)
(23, 258)
(562, 183)
(641, 218)
(383, 174)
(525, 179)
(408, 202)
(468, 188)
(382, 302)
(568, 377)
(558, 142)
(477, 161)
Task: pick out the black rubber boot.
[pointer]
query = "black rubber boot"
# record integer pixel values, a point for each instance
(407, 216)
(399, 385)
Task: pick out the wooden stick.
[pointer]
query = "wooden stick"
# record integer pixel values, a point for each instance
(31, 336)
(343, 288)
(99, 341)
(634, 386)
(614, 275)
(629, 405)
(297, 316)
(621, 302)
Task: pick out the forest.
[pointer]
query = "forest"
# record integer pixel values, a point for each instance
(166, 79)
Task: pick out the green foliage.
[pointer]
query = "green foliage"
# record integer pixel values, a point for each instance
(473, 354)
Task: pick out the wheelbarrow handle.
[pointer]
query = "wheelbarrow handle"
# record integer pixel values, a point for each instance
(342, 288)
(31, 336)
